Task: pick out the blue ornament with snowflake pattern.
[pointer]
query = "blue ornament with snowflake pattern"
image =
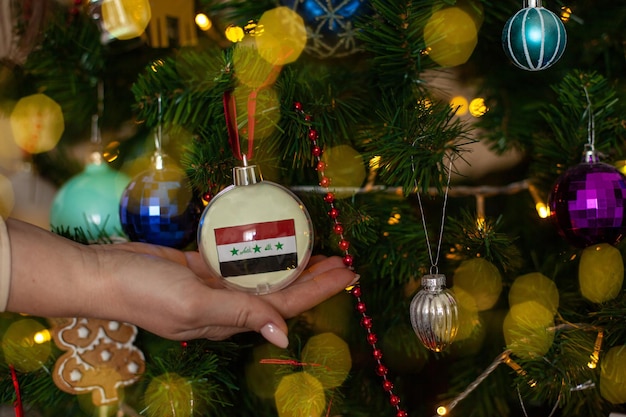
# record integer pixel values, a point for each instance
(330, 25)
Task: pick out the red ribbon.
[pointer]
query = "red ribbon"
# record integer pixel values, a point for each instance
(230, 114)
(17, 405)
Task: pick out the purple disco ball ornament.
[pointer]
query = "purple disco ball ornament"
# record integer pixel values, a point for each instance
(587, 204)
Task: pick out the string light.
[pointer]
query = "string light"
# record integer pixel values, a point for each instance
(595, 356)
(203, 22)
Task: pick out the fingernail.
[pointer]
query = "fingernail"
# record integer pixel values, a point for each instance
(356, 279)
(274, 335)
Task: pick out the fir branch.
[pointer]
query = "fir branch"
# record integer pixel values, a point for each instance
(414, 141)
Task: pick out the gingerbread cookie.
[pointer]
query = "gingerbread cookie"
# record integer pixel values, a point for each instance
(100, 357)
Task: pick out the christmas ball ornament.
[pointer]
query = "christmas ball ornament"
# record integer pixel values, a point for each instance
(159, 207)
(255, 234)
(534, 38)
(90, 202)
(600, 273)
(26, 345)
(329, 25)
(434, 313)
(613, 375)
(587, 204)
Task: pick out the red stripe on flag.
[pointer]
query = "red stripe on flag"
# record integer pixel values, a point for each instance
(254, 231)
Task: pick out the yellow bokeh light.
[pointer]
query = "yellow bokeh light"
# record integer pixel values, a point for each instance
(481, 279)
(20, 346)
(468, 313)
(42, 337)
(542, 210)
(526, 329)
(613, 375)
(126, 19)
(329, 359)
(169, 394)
(345, 168)
(535, 287)
(284, 36)
(442, 411)
(37, 123)
(600, 273)
(252, 70)
(262, 378)
(7, 197)
(451, 36)
(566, 13)
(477, 107)
(203, 22)
(267, 113)
(459, 105)
(234, 33)
(300, 394)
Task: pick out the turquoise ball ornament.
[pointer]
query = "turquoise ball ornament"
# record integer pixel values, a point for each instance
(534, 38)
(89, 202)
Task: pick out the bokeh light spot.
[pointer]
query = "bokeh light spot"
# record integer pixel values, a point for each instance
(37, 123)
(284, 36)
(535, 287)
(329, 357)
(126, 19)
(21, 348)
(481, 279)
(600, 272)
(300, 394)
(345, 168)
(451, 36)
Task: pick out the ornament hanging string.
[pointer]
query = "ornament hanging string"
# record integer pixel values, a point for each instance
(591, 135)
(433, 261)
(17, 405)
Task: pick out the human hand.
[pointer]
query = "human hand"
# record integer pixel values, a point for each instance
(182, 300)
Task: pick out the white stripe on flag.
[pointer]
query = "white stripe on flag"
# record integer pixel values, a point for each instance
(256, 249)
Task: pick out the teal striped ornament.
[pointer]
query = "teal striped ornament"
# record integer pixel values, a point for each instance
(534, 38)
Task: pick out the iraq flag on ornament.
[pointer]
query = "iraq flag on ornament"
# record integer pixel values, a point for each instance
(256, 248)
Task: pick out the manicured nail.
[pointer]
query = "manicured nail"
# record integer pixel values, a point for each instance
(356, 279)
(274, 335)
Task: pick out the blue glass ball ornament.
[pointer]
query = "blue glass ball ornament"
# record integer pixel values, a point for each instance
(89, 202)
(159, 207)
(330, 25)
(534, 38)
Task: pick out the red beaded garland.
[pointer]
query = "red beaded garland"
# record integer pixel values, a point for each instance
(348, 260)
(387, 385)
(377, 354)
(381, 370)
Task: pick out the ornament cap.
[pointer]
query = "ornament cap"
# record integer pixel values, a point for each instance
(246, 175)
(590, 155)
(434, 282)
(532, 3)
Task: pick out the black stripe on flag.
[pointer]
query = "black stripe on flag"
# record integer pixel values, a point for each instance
(259, 265)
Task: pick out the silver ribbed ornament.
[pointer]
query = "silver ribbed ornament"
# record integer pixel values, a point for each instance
(435, 313)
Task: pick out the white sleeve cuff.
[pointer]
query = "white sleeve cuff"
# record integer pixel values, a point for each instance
(5, 265)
